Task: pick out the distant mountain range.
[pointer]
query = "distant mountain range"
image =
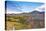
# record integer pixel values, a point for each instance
(27, 14)
(35, 15)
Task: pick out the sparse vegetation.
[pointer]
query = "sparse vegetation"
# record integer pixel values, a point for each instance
(20, 21)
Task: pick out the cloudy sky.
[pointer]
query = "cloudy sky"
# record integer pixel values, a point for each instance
(19, 7)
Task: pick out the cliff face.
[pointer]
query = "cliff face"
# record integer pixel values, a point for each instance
(36, 19)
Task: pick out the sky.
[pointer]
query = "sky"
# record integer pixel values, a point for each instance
(19, 7)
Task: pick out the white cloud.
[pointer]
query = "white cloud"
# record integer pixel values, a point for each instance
(10, 12)
(40, 8)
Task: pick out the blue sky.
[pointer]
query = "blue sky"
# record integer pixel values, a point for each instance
(18, 6)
